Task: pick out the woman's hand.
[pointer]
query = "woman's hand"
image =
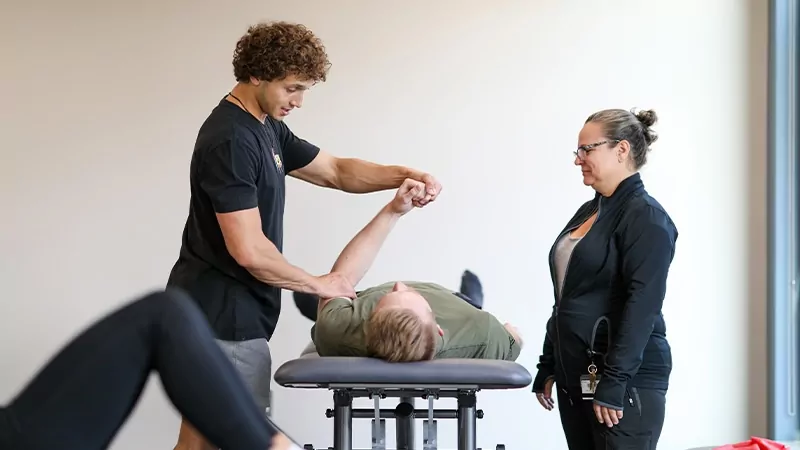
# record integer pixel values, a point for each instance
(546, 398)
(606, 415)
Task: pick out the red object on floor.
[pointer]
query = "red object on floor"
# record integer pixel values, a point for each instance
(755, 443)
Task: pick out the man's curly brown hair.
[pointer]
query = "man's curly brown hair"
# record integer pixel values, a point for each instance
(273, 50)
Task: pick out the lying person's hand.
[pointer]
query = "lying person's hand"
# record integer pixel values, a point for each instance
(432, 190)
(409, 194)
(334, 285)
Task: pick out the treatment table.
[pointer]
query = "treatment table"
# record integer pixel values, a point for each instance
(352, 377)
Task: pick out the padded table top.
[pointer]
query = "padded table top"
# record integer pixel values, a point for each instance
(310, 371)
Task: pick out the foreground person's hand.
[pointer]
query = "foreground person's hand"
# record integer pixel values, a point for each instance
(281, 442)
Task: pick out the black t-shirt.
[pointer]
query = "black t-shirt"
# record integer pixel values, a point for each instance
(238, 163)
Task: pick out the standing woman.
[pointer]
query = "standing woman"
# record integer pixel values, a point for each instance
(605, 345)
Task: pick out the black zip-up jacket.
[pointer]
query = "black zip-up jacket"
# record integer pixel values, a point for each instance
(617, 271)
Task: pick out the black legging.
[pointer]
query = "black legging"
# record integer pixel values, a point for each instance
(83, 396)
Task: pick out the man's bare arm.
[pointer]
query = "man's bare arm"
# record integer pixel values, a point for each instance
(252, 250)
(358, 176)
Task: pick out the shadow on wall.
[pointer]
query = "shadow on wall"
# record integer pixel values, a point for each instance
(757, 222)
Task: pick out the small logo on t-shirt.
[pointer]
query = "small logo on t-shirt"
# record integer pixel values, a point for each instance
(277, 159)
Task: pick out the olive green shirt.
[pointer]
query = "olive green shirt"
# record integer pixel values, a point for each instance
(468, 332)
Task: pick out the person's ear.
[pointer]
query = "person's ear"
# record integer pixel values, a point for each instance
(441, 331)
(255, 81)
(623, 149)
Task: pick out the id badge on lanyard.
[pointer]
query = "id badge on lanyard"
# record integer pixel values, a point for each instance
(591, 378)
(589, 382)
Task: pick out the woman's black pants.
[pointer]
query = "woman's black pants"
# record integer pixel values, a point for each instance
(82, 397)
(639, 428)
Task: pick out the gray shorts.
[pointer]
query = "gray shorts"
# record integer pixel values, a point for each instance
(254, 363)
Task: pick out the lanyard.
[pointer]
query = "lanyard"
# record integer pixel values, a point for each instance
(590, 352)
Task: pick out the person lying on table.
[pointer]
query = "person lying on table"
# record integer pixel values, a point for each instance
(471, 290)
(404, 321)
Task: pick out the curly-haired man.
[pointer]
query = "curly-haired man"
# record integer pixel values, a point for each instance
(231, 258)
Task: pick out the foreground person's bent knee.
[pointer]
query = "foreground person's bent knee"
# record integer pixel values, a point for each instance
(170, 301)
(174, 306)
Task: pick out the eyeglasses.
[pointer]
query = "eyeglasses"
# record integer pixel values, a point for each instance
(584, 150)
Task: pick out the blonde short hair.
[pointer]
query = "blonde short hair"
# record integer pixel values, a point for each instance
(400, 335)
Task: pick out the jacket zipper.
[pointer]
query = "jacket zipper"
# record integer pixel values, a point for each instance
(564, 282)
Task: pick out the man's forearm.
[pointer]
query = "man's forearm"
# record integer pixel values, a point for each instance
(357, 176)
(269, 266)
(359, 254)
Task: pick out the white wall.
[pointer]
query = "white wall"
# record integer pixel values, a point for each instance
(102, 103)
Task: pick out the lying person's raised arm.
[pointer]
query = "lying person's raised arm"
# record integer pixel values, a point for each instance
(359, 254)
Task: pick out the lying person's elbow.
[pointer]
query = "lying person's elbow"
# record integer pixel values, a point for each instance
(514, 332)
(516, 349)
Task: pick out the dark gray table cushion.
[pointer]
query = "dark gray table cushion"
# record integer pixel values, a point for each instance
(352, 371)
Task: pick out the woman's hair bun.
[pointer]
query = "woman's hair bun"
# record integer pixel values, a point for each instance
(647, 117)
